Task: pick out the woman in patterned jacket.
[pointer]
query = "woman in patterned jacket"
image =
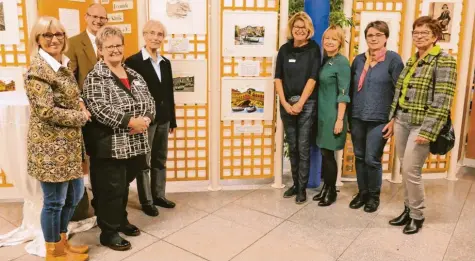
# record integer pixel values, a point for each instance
(116, 139)
(54, 136)
(418, 116)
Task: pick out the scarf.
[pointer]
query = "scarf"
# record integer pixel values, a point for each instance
(378, 57)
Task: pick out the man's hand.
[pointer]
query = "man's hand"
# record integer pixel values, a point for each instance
(171, 130)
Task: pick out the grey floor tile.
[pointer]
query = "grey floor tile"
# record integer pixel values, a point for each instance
(460, 249)
(12, 212)
(214, 238)
(367, 252)
(275, 248)
(165, 252)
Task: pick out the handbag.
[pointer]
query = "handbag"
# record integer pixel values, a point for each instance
(446, 139)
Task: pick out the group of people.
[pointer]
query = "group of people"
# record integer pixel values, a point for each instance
(323, 98)
(88, 104)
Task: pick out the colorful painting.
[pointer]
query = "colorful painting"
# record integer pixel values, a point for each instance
(190, 81)
(7, 85)
(184, 83)
(249, 35)
(247, 100)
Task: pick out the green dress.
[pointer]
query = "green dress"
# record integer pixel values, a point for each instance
(334, 88)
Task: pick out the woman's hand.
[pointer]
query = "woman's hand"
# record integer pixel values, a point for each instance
(138, 125)
(388, 130)
(421, 140)
(84, 109)
(288, 108)
(338, 127)
(297, 108)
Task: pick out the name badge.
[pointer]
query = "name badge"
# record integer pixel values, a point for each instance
(292, 60)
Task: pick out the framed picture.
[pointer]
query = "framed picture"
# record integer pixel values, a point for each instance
(9, 30)
(180, 16)
(448, 14)
(11, 79)
(393, 19)
(247, 99)
(190, 81)
(249, 34)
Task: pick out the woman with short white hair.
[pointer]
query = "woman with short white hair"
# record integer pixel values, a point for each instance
(116, 139)
(54, 136)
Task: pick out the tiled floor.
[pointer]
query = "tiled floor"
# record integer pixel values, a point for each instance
(260, 225)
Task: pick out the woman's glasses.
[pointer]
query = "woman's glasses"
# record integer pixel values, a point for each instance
(49, 36)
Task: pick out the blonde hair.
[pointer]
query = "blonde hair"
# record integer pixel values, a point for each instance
(305, 19)
(151, 23)
(106, 32)
(43, 25)
(340, 34)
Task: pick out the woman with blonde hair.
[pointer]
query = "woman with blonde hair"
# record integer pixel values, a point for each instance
(296, 74)
(54, 136)
(332, 100)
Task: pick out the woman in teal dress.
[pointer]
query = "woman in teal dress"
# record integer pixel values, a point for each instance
(333, 97)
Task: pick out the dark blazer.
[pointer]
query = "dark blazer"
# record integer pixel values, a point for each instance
(161, 90)
(112, 105)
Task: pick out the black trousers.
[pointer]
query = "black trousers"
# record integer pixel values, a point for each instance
(110, 181)
(329, 167)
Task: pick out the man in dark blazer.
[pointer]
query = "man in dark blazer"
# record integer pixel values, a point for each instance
(157, 72)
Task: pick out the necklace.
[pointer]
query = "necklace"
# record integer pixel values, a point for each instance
(330, 61)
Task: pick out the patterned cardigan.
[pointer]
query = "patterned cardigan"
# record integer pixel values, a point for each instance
(417, 102)
(112, 106)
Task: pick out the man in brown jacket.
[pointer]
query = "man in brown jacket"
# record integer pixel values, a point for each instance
(82, 53)
(82, 47)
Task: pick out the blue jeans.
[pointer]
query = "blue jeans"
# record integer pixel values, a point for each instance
(298, 130)
(368, 146)
(59, 201)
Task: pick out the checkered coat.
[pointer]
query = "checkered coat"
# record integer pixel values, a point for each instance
(430, 112)
(112, 106)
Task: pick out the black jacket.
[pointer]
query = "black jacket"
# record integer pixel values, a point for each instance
(162, 91)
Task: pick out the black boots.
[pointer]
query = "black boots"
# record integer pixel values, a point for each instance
(413, 226)
(359, 200)
(301, 196)
(292, 191)
(402, 219)
(372, 203)
(329, 198)
(322, 193)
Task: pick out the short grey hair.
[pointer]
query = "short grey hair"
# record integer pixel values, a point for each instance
(106, 32)
(151, 23)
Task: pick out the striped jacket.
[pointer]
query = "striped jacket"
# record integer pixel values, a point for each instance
(430, 112)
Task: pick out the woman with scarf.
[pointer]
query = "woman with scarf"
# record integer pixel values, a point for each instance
(374, 77)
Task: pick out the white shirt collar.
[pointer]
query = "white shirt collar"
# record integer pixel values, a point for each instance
(55, 65)
(147, 55)
(91, 36)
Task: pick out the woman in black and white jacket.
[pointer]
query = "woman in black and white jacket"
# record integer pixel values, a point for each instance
(116, 138)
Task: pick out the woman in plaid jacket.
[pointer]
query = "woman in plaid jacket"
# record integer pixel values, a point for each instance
(418, 116)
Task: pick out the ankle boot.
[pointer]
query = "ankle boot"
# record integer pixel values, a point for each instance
(322, 193)
(55, 252)
(329, 198)
(402, 219)
(359, 200)
(373, 202)
(292, 191)
(74, 253)
(413, 226)
(301, 195)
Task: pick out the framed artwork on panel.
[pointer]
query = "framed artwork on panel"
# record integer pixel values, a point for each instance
(190, 81)
(180, 16)
(11, 79)
(393, 19)
(9, 28)
(247, 98)
(249, 34)
(448, 14)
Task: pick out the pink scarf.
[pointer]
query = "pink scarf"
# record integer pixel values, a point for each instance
(378, 57)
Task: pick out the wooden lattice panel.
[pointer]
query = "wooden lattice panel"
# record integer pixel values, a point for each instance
(17, 55)
(375, 6)
(188, 146)
(435, 163)
(247, 156)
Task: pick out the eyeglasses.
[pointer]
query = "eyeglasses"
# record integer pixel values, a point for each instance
(101, 18)
(421, 33)
(378, 35)
(49, 36)
(154, 34)
(111, 48)
(299, 28)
